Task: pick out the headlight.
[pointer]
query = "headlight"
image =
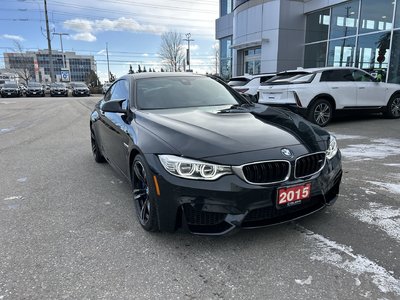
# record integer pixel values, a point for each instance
(192, 169)
(332, 149)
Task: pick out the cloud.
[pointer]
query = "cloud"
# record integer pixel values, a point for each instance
(145, 54)
(79, 25)
(17, 38)
(85, 28)
(84, 36)
(102, 52)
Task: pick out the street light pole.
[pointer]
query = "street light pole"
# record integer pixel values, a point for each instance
(49, 43)
(108, 64)
(62, 49)
(188, 35)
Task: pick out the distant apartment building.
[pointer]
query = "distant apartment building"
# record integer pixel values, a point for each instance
(266, 36)
(38, 64)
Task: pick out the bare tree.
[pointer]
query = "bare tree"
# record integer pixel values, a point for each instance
(21, 63)
(171, 51)
(216, 57)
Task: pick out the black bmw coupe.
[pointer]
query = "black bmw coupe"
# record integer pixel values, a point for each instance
(201, 157)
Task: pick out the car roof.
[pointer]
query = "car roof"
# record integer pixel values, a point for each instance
(312, 70)
(160, 75)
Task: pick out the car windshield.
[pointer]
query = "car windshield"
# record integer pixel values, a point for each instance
(34, 84)
(57, 85)
(290, 78)
(11, 85)
(183, 91)
(79, 85)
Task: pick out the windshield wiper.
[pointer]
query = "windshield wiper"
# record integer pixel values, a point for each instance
(237, 108)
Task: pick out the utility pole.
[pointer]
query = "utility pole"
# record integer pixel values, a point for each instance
(62, 49)
(108, 64)
(188, 35)
(49, 43)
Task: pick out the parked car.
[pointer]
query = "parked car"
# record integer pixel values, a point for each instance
(80, 89)
(58, 89)
(201, 157)
(239, 80)
(105, 87)
(34, 89)
(318, 93)
(251, 87)
(11, 90)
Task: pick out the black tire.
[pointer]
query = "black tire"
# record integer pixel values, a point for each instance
(98, 157)
(393, 107)
(320, 112)
(143, 192)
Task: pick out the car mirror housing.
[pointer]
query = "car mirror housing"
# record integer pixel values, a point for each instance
(115, 106)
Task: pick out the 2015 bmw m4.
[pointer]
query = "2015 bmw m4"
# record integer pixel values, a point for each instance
(201, 157)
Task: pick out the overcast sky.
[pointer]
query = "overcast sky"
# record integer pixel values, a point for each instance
(132, 29)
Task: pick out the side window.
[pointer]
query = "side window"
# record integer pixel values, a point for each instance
(337, 75)
(107, 96)
(362, 76)
(120, 90)
(265, 78)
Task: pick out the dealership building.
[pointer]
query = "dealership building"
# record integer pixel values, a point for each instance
(38, 64)
(267, 36)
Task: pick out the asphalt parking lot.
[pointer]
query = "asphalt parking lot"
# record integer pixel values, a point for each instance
(68, 230)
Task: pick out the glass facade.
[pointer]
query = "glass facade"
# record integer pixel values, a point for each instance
(225, 57)
(344, 19)
(317, 28)
(79, 68)
(252, 61)
(341, 52)
(225, 7)
(357, 33)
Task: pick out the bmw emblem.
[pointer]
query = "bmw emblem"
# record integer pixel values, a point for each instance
(287, 152)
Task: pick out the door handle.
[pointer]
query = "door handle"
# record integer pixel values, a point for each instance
(361, 88)
(335, 87)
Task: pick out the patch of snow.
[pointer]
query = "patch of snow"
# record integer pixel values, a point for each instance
(390, 187)
(14, 198)
(387, 218)
(393, 165)
(22, 179)
(343, 257)
(377, 149)
(305, 281)
(347, 137)
(6, 130)
(358, 282)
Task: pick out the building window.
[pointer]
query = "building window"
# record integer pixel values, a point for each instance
(315, 55)
(225, 57)
(344, 19)
(317, 26)
(376, 15)
(373, 51)
(394, 70)
(225, 7)
(341, 52)
(252, 61)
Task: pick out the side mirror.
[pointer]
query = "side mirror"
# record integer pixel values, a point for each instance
(115, 106)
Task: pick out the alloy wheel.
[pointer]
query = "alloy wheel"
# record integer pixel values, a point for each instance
(322, 113)
(395, 108)
(141, 193)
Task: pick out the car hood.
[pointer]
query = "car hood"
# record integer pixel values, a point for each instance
(213, 131)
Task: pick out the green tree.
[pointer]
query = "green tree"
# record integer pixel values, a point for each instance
(144, 69)
(131, 70)
(92, 79)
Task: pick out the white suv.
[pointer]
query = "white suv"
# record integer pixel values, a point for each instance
(318, 93)
(251, 87)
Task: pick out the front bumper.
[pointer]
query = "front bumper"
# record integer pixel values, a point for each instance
(10, 93)
(218, 207)
(35, 93)
(80, 93)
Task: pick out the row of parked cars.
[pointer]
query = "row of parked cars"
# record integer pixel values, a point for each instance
(37, 89)
(319, 93)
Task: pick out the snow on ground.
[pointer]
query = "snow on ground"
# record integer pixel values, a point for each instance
(347, 136)
(390, 187)
(376, 149)
(343, 257)
(387, 218)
